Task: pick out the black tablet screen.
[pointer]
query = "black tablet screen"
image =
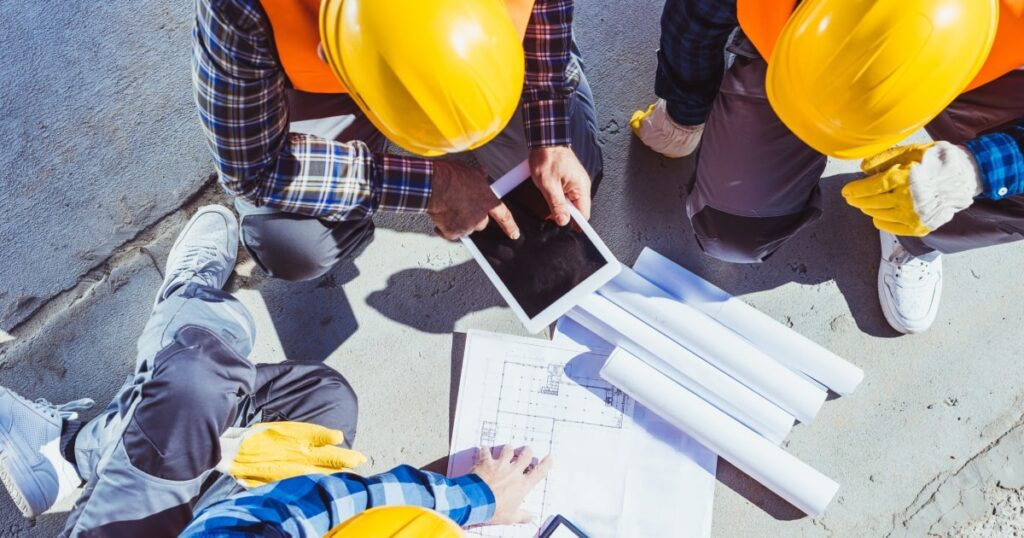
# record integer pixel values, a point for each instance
(547, 261)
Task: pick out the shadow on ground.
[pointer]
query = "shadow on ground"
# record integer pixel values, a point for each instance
(313, 318)
(842, 246)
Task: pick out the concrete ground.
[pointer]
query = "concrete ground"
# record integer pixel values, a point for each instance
(105, 163)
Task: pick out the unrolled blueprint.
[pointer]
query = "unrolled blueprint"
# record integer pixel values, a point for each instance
(619, 469)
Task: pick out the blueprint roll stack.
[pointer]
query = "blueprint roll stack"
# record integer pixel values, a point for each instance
(622, 329)
(781, 472)
(715, 343)
(773, 338)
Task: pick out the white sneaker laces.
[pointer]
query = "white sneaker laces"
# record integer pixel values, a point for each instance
(196, 259)
(68, 411)
(910, 267)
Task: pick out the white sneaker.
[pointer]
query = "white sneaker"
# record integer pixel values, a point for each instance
(31, 464)
(205, 251)
(909, 287)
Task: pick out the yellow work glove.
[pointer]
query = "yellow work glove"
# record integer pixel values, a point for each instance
(658, 131)
(912, 190)
(273, 451)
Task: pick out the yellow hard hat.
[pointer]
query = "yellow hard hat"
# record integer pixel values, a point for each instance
(435, 76)
(854, 77)
(397, 522)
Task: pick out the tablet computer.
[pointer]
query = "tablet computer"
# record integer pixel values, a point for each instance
(550, 268)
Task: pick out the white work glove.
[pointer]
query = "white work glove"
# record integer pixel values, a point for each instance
(656, 129)
(915, 189)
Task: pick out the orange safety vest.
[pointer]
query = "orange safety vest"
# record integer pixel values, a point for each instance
(763, 20)
(297, 34)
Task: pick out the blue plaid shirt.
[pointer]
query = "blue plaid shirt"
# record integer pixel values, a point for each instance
(691, 61)
(240, 92)
(1000, 158)
(310, 506)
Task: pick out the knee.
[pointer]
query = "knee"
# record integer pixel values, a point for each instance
(739, 239)
(297, 248)
(201, 371)
(340, 404)
(329, 401)
(190, 399)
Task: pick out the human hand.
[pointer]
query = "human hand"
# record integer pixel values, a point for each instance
(658, 131)
(510, 477)
(461, 202)
(914, 189)
(273, 451)
(562, 179)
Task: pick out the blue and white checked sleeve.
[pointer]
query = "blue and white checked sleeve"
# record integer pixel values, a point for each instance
(240, 89)
(310, 506)
(1000, 158)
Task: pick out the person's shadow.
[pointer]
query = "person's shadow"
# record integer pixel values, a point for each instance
(842, 246)
(645, 208)
(313, 318)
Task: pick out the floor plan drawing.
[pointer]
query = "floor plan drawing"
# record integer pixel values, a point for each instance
(525, 391)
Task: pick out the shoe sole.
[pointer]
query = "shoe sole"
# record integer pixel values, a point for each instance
(7, 477)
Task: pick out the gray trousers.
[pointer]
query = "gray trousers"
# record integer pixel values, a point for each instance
(296, 247)
(147, 459)
(756, 184)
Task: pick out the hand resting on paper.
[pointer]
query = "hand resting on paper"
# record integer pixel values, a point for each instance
(510, 476)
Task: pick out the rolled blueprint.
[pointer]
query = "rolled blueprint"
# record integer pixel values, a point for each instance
(793, 480)
(784, 344)
(620, 328)
(715, 343)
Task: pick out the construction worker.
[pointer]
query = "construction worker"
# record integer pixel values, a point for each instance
(756, 182)
(305, 158)
(398, 503)
(145, 463)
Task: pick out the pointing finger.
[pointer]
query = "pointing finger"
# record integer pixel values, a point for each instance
(503, 217)
(555, 197)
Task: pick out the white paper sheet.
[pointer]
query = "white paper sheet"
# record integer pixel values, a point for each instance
(775, 339)
(779, 471)
(619, 470)
(641, 484)
(618, 327)
(715, 343)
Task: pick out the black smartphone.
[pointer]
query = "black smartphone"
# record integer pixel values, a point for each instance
(561, 528)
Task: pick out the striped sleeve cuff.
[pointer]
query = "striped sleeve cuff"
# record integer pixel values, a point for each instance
(1001, 162)
(547, 122)
(479, 502)
(404, 184)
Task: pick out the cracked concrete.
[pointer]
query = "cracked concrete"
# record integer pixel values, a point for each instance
(100, 135)
(931, 443)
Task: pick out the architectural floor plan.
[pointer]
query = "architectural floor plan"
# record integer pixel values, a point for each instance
(619, 471)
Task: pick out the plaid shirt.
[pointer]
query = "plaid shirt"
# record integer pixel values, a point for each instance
(691, 61)
(240, 91)
(1000, 158)
(310, 506)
